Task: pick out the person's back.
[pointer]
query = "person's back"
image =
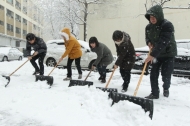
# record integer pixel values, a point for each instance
(73, 48)
(74, 52)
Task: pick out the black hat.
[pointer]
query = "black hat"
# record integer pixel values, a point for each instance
(30, 36)
(117, 35)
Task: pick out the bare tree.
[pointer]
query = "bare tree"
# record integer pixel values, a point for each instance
(84, 4)
(162, 2)
(59, 14)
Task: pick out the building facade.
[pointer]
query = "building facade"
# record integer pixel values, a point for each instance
(128, 16)
(17, 18)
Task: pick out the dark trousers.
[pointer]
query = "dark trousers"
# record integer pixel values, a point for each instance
(126, 75)
(40, 58)
(166, 65)
(69, 63)
(102, 71)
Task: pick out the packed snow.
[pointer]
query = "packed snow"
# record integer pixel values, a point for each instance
(25, 102)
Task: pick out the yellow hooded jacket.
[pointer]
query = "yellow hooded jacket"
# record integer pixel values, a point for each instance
(73, 48)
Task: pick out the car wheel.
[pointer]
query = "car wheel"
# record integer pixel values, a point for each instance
(90, 64)
(5, 58)
(147, 70)
(20, 58)
(51, 62)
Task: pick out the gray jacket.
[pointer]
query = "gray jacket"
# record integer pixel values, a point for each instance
(104, 55)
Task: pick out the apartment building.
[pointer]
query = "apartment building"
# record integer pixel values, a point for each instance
(17, 18)
(128, 16)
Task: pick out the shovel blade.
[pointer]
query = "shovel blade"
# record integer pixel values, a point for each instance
(146, 104)
(107, 89)
(8, 78)
(80, 83)
(49, 79)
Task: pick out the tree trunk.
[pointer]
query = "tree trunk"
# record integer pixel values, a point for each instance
(85, 21)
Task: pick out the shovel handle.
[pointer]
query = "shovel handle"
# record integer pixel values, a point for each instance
(54, 68)
(88, 74)
(110, 78)
(136, 90)
(19, 67)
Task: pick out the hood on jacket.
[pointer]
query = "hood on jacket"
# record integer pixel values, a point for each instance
(65, 33)
(157, 12)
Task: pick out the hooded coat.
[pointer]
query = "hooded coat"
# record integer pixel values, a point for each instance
(126, 53)
(161, 34)
(104, 55)
(73, 48)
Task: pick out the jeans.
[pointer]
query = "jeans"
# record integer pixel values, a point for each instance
(166, 64)
(69, 63)
(40, 58)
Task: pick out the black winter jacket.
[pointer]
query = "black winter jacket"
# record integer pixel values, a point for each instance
(161, 34)
(125, 53)
(39, 45)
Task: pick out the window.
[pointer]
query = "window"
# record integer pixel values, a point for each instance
(17, 44)
(34, 17)
(24, 21)
(10, 1)
(34, 26)
(1, 7)
(10, 13)
(18, 18)
(24, 32)
(1, 23)
(18, 5)
(24, 9)
(9, 27)
(17, 30)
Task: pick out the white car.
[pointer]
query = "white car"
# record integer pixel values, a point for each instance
(9, 53)
(55, 49)
(183, 43)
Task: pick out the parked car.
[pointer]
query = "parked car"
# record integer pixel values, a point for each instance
(55, 49)
(181, 64)
(183, 43)
(9, 53)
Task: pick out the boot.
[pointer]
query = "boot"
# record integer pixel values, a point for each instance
(67, 79)
(166, 93)
(151, 96)
(36, 72)
(103, 80)
(80, 76)
(100, 78)
(124, 89)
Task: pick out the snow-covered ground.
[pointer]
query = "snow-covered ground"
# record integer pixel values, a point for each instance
(25, 102)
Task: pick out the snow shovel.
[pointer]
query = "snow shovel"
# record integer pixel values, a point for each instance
(8, 77)
(146, 104)
(48, 78)
(81, 83)
(106, 87)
